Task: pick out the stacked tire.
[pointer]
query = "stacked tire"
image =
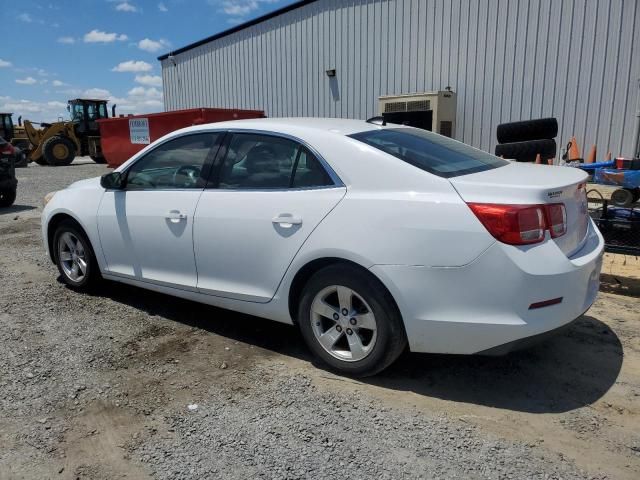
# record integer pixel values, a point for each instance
(523, 141)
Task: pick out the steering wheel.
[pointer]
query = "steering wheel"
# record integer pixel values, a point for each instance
(191, 172)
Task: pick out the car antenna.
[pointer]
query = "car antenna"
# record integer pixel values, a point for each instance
(379, 120)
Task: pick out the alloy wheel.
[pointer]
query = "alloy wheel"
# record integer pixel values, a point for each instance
(343, 323)
(72, 255)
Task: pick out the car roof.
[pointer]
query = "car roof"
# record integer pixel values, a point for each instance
(293, 124)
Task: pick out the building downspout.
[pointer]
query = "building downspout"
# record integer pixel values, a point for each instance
(635, 152)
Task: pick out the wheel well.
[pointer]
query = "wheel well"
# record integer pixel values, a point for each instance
(306, 272)
(55, 221)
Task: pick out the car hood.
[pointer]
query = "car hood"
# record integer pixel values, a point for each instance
(88, 183)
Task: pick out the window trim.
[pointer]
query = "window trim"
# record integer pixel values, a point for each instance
(207, 166)
(221, 156)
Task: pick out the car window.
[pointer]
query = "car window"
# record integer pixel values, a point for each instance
(256, 161)
(177, 163)
(431, 152)
(309, 172)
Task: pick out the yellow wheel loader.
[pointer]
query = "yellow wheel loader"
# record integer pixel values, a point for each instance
(58, 143)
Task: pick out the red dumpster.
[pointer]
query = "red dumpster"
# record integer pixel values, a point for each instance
(122, 137)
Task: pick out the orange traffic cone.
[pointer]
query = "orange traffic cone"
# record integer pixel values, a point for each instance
(592, 156)
(538, 159)
(574, 151)
(549, 161)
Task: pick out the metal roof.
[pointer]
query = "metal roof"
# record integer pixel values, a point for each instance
(237, 28)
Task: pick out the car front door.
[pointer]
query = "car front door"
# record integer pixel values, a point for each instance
(269, 194)
(146, 229)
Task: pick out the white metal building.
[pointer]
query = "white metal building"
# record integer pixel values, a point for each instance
(507, 60)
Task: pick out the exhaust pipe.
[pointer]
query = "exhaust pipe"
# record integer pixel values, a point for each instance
(113, 110)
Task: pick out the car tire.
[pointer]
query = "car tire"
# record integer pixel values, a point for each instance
(622, 197)
(99, 160)
(58, 151)
(74, 256)
(365, 340)
(527, 151)
(527, 130)
(7, 197)
(21, 160)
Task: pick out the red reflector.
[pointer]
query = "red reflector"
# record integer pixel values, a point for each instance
(546, 303)
(512, 224)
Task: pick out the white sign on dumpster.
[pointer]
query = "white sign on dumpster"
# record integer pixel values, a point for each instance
(139, 130)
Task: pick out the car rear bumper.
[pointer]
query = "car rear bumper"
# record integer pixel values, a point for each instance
(486, 304)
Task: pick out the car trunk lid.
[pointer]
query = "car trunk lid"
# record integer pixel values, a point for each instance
(531, 184)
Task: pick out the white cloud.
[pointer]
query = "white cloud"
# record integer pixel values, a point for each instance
(26, 81)
(67, 40)
(58, 83)
(97, 36)
(126, 7)
(152, 46)
(145, 93)
(240, 8)
(25, 17)
(133, 66)
(149, 80)
(4, 63)
(162, 7)
(39, 111)
(55, 104)
(98, 93)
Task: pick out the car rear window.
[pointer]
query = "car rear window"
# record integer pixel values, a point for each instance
(428, 151)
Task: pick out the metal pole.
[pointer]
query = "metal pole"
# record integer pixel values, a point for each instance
(636, 130)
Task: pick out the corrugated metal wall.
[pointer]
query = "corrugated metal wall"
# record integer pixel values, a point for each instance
(577, 60)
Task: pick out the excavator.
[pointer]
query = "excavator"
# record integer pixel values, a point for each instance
(58, 143)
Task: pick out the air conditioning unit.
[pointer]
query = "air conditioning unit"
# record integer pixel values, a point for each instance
(435, 111)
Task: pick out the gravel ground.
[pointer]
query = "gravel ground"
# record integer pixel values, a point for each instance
(132, 384)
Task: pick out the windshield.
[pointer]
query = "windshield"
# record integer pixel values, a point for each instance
(428, 151)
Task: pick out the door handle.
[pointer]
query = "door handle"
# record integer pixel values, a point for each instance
(287, 220)
(175, 216)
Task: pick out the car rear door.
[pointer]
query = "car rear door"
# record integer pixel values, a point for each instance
(268, 194)
(146, 230)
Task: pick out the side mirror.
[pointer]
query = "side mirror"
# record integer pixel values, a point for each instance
(113, 181)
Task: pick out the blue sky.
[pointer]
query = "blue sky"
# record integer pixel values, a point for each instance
(57, 50)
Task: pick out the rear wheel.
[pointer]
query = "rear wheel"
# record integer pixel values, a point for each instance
(21, 159)
(74, 256)
(349, 321)
(58, 151)
(7, 197)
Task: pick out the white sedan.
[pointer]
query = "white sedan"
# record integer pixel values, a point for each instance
(369, 237)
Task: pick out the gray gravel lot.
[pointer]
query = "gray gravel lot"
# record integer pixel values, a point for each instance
(131, 384)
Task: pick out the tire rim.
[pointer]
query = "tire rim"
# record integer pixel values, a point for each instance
(60, 151)
(72, 255)
(343, 323)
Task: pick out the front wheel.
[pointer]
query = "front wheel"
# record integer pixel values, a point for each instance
(7, 197)
(74, 257)
(349, 320)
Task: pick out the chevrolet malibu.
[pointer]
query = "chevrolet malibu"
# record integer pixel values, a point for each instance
(368, 237)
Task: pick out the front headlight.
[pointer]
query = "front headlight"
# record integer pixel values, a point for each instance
(47, 198)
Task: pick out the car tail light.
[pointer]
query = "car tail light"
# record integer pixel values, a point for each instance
(512, 224)
(522, 224)
(7, 148)
(556, 219)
